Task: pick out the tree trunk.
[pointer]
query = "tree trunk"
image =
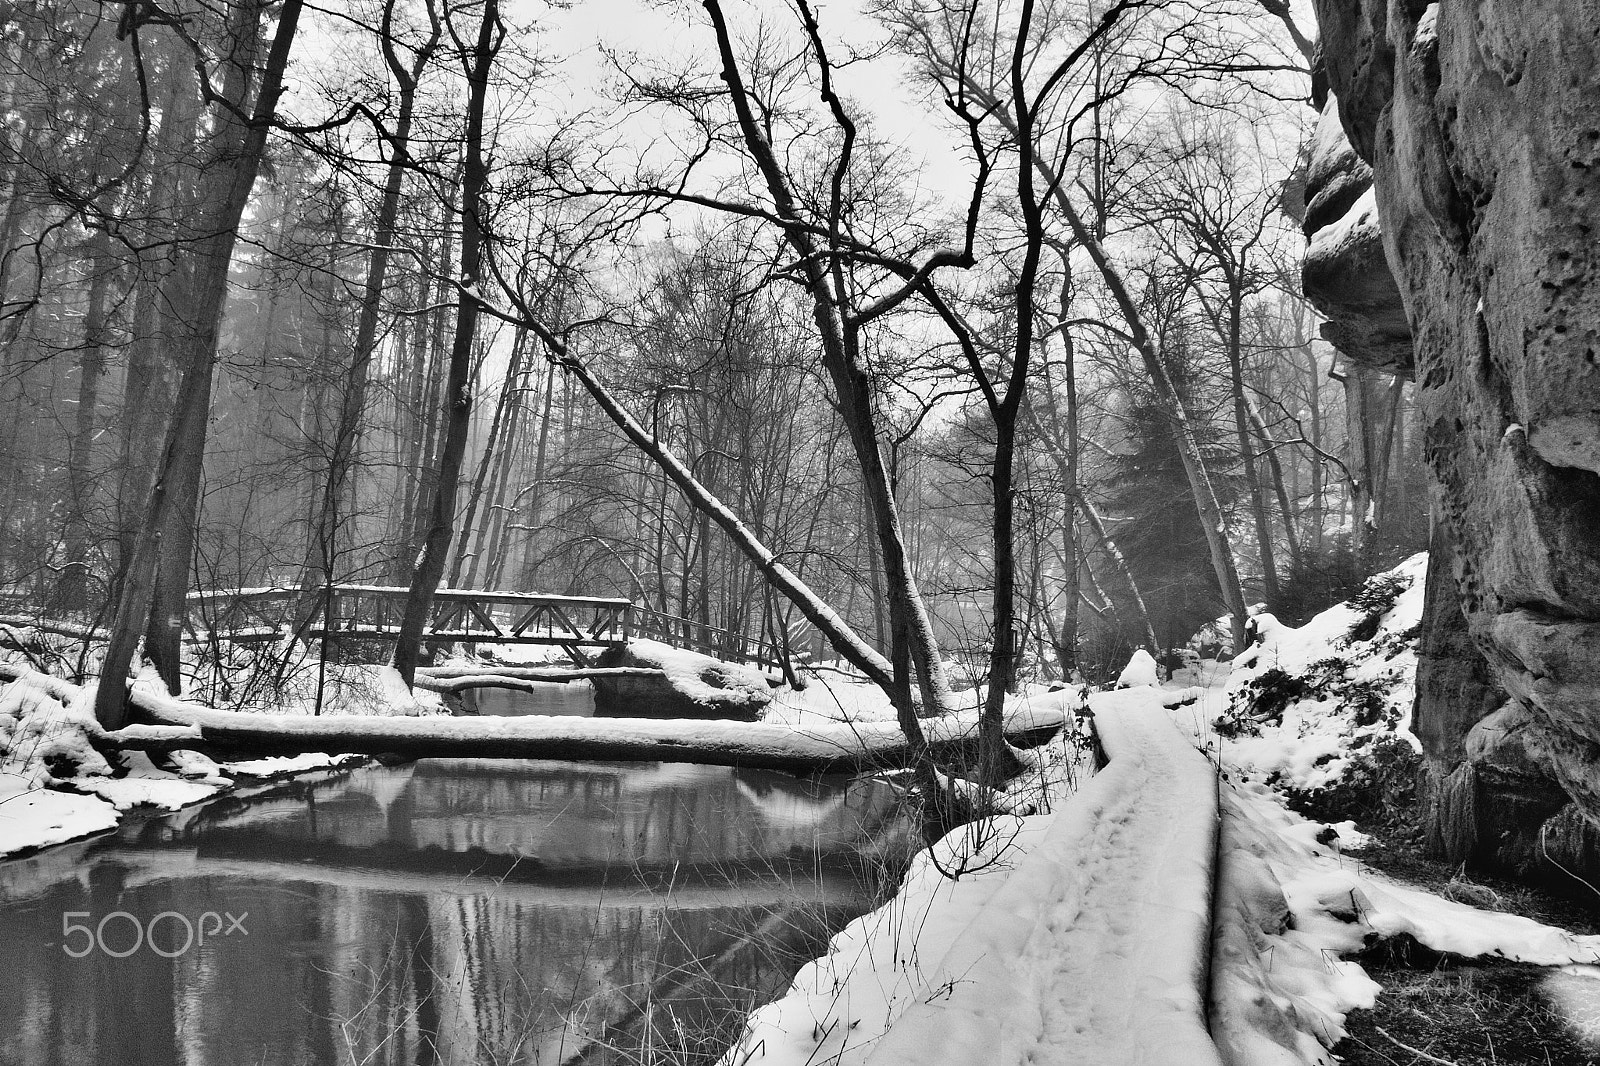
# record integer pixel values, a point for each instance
(71, 592)
(535, 483)
(458, 385)
(153, 597)
(148, 385)
(1371, 412)
(1092, 515)
(1275, 467)
(1247, 446)
(1319, 504)
(488, 460)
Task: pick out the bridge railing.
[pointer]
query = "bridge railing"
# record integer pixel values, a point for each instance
(244, 615)
(263, 615)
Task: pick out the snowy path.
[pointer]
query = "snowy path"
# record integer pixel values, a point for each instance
(1096, 948)
(1087, 942)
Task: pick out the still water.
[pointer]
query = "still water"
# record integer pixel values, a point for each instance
(445, 911)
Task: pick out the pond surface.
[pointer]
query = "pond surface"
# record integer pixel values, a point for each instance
(444, 911)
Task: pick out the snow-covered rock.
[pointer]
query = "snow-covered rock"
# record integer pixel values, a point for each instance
(693, 685)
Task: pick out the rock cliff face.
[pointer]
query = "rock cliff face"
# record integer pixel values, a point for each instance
(1480, 122)
(1345, 273)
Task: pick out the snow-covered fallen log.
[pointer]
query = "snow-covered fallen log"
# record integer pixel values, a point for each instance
(831, 748)
(1081, 936)
(821, 747)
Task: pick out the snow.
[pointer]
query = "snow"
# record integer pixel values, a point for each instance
(56, 785)
(702, 678)
(1313, 745)
(1358, 224)
(280, 765)
(512, 655)
(146, 785)
(1288, 906)
(1141, 670)
(1078, 935)
(33, 817)
(829, 696)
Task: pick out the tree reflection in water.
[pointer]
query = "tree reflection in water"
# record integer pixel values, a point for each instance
(448, 911)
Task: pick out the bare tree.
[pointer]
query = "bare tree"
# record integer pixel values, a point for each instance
(156, 580)
(477, 61)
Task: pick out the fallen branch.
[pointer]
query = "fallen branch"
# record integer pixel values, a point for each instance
(453, 679)
(1414, 1051)
(54, 627)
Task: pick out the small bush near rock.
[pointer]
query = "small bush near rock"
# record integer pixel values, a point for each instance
(1378, 790)
(1375, 600)
(1261, 702)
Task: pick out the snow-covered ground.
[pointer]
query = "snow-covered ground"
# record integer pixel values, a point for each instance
(1074, 935)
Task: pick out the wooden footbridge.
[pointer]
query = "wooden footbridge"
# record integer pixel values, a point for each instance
(580, 625)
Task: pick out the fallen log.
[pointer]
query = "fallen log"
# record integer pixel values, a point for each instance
(54, 627)
(535, 673)
(831, 747)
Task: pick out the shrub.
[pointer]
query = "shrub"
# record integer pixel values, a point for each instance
(1379, 789)
(1261, 701)
(1376, 599)
(1369, 703)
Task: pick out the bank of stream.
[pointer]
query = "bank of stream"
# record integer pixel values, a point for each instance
(447, 911)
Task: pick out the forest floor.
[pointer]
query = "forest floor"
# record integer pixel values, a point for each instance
(1473, 1012)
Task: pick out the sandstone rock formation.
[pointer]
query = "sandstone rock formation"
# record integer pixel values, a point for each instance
(1481, 124)
(1345, 274)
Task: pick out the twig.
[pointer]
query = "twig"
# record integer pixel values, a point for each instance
(1407, 1047)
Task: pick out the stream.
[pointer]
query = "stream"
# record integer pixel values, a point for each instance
(442, 911)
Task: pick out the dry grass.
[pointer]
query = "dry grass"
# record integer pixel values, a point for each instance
(1460, 1013)
(1442, 1009)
